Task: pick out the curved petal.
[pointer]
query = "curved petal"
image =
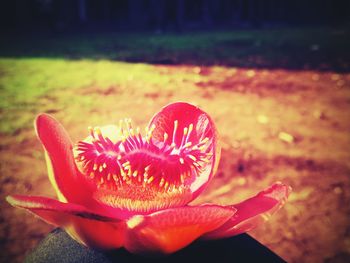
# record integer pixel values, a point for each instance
(170, 230)
(63, 173)
(203, 127)
(87, 227)
(253, 211)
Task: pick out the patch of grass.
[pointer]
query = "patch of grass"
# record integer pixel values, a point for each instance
(30, 85)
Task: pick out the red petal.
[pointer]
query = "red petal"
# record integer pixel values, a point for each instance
(203, 125)
(88, 227)
(253, 211)
(170, 230)
(65, 177)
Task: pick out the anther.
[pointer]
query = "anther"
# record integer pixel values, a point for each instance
(185, 130)
(91, 131)
(98, 131)
(192, 157)
(182, 178)
(188, 144)
(150, 180)
(166, 185)
(190, 128)
(183, 136)
(165, 137)
(204, 140)
(126, 164)
(161, 183)
(122, 172)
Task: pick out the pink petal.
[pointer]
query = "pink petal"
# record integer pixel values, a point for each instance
(170, 230)
(63, 172)
(88, 227)
(187, 114)
(253, 211)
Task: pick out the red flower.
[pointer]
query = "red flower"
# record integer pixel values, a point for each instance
(119, 189)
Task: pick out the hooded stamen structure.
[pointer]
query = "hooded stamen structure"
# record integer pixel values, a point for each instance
(141, 160)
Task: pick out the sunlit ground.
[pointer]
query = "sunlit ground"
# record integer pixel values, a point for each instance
(275, 124)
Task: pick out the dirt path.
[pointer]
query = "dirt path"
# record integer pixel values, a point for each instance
(275, 125)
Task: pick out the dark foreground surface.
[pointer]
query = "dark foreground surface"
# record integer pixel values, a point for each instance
(58, 246)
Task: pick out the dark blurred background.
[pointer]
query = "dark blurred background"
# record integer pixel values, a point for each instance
(252, 33)
(163, 15)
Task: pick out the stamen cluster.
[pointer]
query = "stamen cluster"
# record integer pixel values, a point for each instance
(142, 160)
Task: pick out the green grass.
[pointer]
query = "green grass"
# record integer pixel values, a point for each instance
(29, 85)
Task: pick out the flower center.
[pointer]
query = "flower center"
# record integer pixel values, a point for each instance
(141, 166)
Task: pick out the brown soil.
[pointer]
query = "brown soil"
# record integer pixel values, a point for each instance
(275, 125)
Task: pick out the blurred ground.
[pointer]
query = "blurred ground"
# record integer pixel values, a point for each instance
(285, 123)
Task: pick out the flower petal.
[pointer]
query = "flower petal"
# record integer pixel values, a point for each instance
(203, 127)
(63, 173)
(87, 227)
(253, 211)
(170, 230)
